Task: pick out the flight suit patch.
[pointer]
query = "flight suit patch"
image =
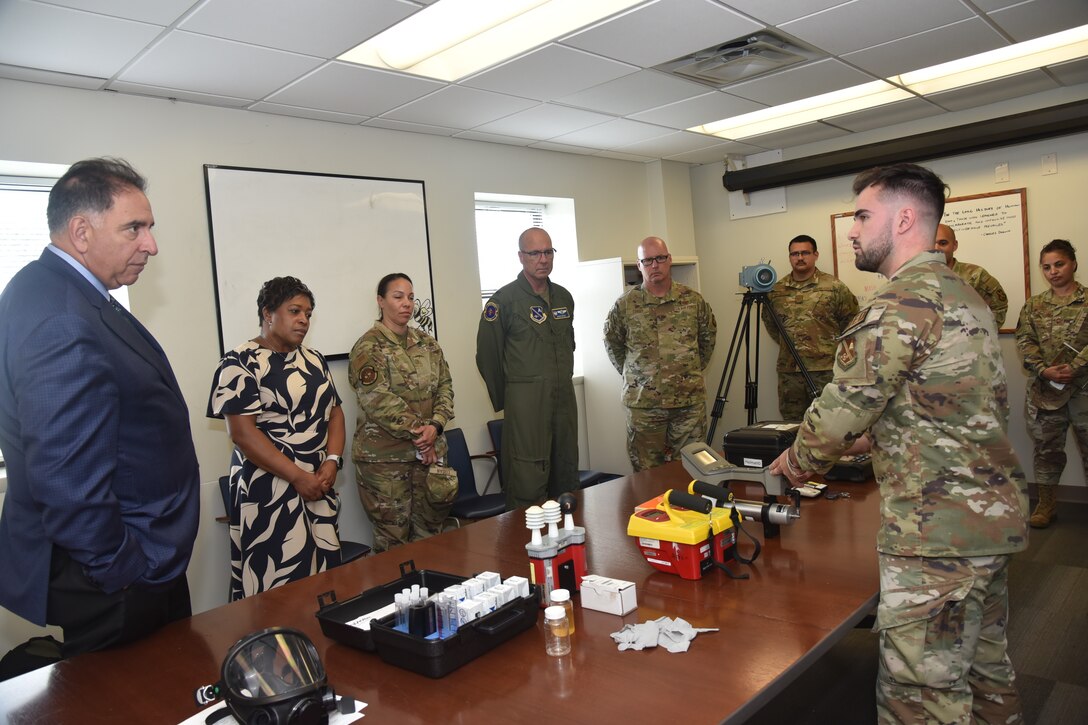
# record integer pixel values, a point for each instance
(491, 311)
(537, 314)
(368, 375)
(560, 313)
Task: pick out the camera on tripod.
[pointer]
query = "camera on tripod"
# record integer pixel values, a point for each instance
(758, 277)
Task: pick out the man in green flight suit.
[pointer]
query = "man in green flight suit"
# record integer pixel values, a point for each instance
(525, 354)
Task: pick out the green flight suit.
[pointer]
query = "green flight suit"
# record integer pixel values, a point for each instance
(525, 353)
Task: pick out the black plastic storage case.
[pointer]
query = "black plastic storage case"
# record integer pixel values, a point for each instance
(756, 446)
(430, 657)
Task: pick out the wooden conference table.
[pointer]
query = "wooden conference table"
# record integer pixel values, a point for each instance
(808, 588)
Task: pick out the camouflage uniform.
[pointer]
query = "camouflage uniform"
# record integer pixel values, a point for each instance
(661, 345)
(921, 370)
(525, 354)
(400, 384)
(987, 286)
(813, 312)
(1047, 323)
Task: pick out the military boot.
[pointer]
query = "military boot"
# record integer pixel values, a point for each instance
(1045, 510)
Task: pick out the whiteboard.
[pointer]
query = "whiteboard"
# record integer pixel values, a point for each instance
(338, 234)
(992, 230)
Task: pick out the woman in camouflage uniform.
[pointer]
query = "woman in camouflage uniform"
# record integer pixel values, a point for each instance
(405, 395)
(1052, 336)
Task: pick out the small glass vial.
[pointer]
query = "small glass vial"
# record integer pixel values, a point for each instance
(561, 598)
(556, 631)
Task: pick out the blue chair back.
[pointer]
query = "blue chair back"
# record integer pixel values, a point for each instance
(459, 460)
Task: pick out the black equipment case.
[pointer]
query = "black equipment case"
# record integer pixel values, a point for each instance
(430, 657)
(756, 446)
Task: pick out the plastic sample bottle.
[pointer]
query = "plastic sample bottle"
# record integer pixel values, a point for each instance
(556, 631)
(561, 598)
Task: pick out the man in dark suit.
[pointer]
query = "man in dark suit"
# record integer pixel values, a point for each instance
(102, 503)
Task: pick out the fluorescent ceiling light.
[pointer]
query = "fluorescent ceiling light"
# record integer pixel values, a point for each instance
(804, 111)
(454, 38)
(1019, 58)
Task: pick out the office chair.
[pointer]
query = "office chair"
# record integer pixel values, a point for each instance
(470, 504)
(349, 550)
(586, 478)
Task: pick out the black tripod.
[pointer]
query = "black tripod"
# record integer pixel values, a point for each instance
(742, 333)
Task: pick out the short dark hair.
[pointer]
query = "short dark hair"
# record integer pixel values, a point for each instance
(90, 186)
(278, 290)
(909, 179)
(803, 238)
(1061, 246)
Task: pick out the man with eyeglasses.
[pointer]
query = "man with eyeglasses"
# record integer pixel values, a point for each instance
(814, 308)
(525, 353)
(660, 336)
(987, 286)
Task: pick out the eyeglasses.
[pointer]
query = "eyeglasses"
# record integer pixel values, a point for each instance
(649, 261)
(805, 253)
(536, 254)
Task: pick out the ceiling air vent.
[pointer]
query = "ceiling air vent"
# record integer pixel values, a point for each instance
(739, 60)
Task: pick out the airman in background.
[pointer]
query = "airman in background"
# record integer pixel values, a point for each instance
(987, 286)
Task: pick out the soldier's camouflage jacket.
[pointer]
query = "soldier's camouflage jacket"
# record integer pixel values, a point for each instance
(661, 345)
(399, 386)
(987, 286)
(1047, 324)
(920, 368)
(813, 312)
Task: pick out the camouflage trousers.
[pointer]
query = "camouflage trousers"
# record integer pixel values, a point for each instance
(401, 505)
(943, 652)
(1049, 430)
(793, 397)
(656, 435)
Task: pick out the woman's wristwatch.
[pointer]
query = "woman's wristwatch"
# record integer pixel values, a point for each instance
(339, 461)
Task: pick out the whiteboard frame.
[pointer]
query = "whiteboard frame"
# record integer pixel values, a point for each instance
(337, 233)
(975, 246)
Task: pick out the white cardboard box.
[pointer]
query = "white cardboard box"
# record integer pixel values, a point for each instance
(613, 596)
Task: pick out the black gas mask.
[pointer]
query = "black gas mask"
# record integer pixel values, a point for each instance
(273, 677)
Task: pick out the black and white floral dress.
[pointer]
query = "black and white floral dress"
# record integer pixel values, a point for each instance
(276, 536)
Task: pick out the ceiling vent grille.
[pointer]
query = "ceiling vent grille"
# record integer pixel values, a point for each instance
(740, 60)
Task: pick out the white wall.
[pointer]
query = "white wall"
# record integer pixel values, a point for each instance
(169, 142)
(1054, 210)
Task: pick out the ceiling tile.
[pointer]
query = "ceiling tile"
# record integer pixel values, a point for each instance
(774, 13)
(865, 23)
(1002, 89)
(662, 31)
(324, 28)
(178, 94)
(68, 41)
(1036, 18)
(392, 125)
(929, 48)
(543, 122)
(612, 134)
(677, 142)
(459, 107)
(823, 76)
(221, 67)
(888, 115)
(1072, 73)
(160, 12)
(348, 88)
(550, 72)
(282, 110)
(809, 133)
(715, 153)
(635, 92)
(713, 106)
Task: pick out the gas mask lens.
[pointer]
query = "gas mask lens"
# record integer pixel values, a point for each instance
(272, 664)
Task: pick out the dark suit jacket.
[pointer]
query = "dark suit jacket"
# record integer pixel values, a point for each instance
(95, 435)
